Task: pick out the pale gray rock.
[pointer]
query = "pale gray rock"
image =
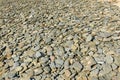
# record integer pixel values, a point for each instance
(77, 66)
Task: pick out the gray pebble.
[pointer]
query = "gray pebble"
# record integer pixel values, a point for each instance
(38, 71)
(16, 58)
(77, 66)
(48, 40)
(100, 50)
(106, 68)
(44, 59)
(114, 66)
(47, 69)
(52, 65)
(94, 72)
(104, 34)
(38, 54)
(66, 64)
(89, 38)
(59, 61)
(118, 51)
(37, 77)
(109, 59)
(36, 48)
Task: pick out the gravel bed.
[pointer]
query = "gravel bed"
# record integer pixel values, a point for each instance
(59, 40)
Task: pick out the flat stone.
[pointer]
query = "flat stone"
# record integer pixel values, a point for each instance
(16, 58)
(99, 59)
(104, 34)
(88, 62)
(66, 64)
(67, 73)
(117, 60)
(38, 71)
(19, 68)
(59, 61)
(8, 52)
(114, 66)
(36, 48)
(52, 65)
(94, 72)
(28, 53)
(44, 60)
(89, 38)
(47, 69)
(38, 54)
(48, 40)
(109, 59)
(77, 66)
(111, 52)
(48, 78)
(91, 53)
(27, 59)
(93, 78)
(106, 68)
(118, 51)
(1, 64)
(100, 50)
(37, 77)
(52, 58)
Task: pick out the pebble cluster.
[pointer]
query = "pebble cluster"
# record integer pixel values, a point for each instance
(59, 40)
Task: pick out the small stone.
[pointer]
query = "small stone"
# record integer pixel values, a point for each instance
(99, 59)
(14, 65)
(91, 53)
(118, 51)
(93, 78)
(119, 69)
(77, 66)
(52, 58)
(67, 73)
(100, 50)
(8, 53)
(73, 47)
(106, 68)
(47, 69)
(66, 64)
(111, 52)
(49, 50)
(16, 58)
(52, 65)
(114, 66)
(44, 60)
(38, 71)
(48, 78)
(59, 61)
(48, 40)
(21, 44)
(71, 61)
(36, 48)
(89, 38)
(109, 59)
(94, 72)
(38, 54)
(37, 77)
(117, 60)
(19, 68)
(1, 64)
(10, 62)
(27, 59)
(104, 34)
(81, 78)
(28, 53)
(88, 62)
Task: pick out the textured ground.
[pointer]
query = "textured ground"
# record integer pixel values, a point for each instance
(59, 40)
